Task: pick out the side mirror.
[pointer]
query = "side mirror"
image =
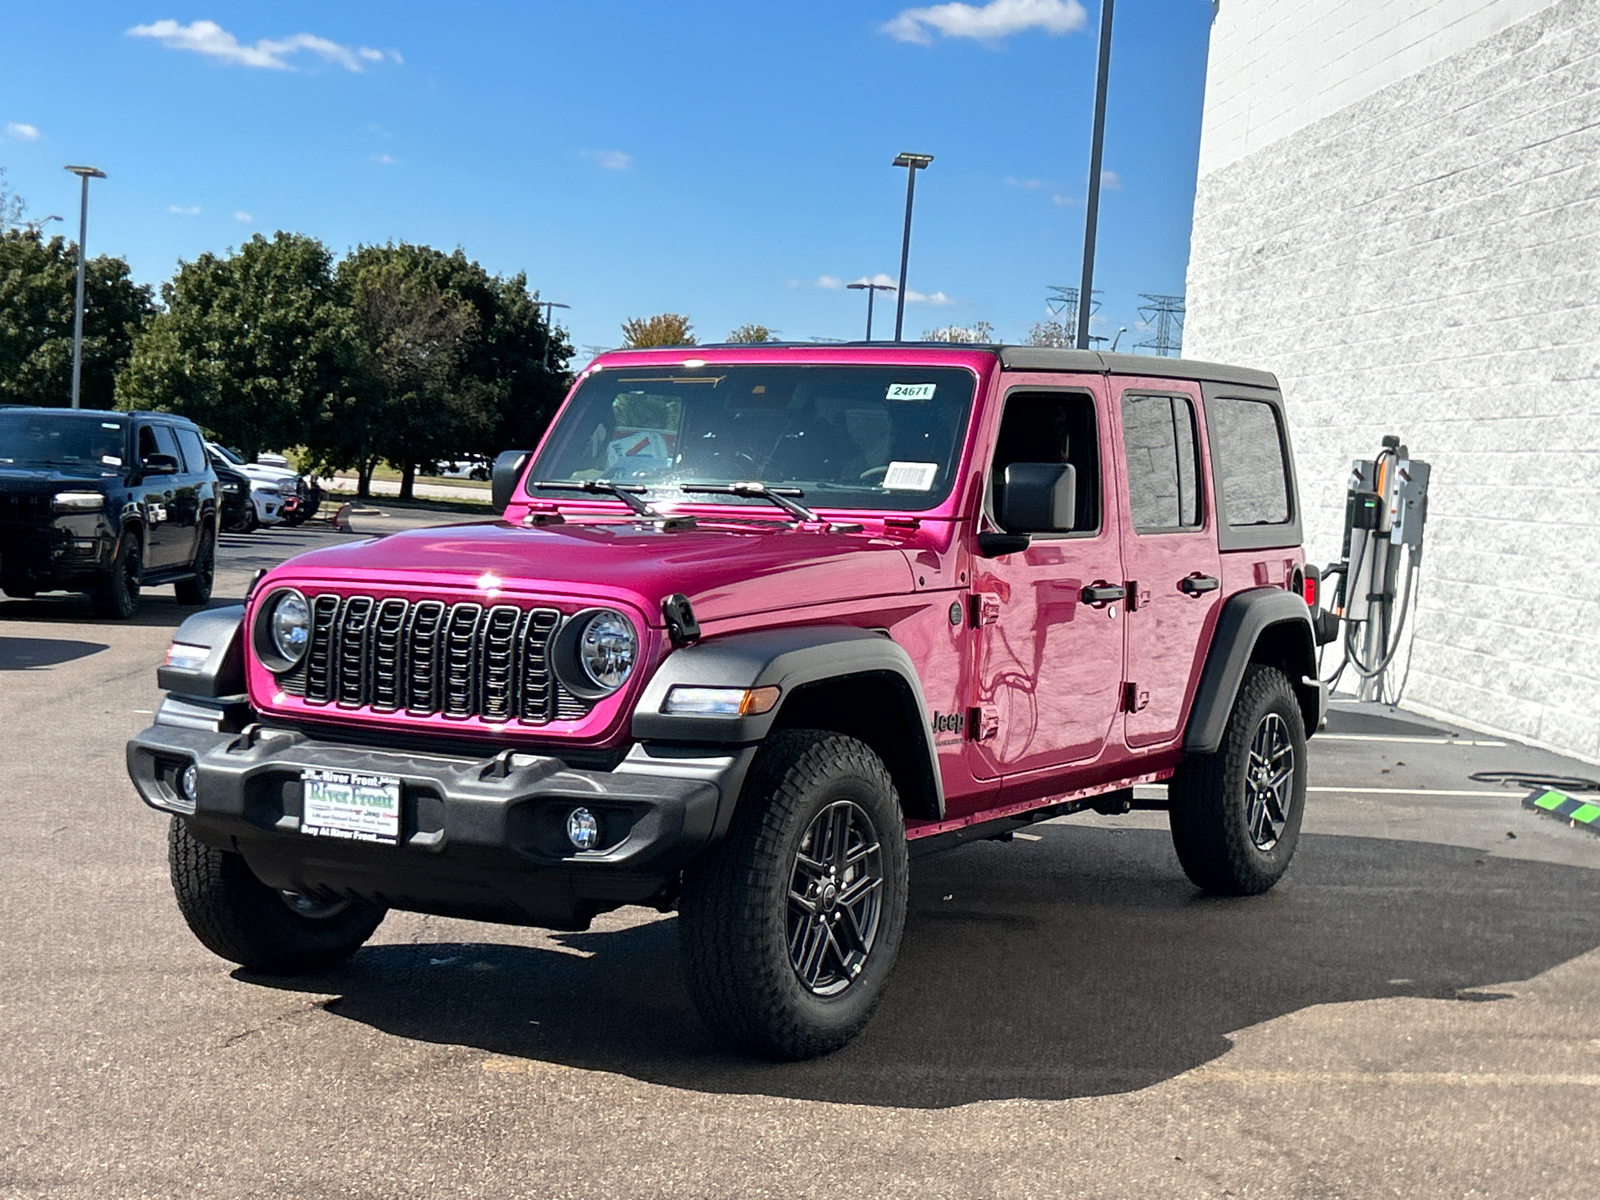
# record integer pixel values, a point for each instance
(508, 467)
(159, 464)
(1039, 498)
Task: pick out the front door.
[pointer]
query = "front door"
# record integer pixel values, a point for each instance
(1048, 620)
(1170, 552)
(166, 542)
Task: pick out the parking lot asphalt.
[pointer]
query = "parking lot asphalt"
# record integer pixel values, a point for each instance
(1414, 1011)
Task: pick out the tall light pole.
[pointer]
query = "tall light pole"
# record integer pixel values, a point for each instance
(549, 306)
(85, 174)
(870, 288)
(1091, 209)
(912, 163)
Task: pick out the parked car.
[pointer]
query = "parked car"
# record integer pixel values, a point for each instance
(106, 503)
(237, 507)
(467, 468)
(755, 623)
(275, 491)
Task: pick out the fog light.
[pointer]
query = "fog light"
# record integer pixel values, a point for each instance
(583, 831)
(189, 782)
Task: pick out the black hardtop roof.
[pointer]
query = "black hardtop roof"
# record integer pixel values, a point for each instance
(100, 413)
(1028, 358)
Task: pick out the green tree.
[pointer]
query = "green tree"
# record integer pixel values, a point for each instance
(38, 289)
(1050, 333)
(255, 345)
(979, 333)
(453, 360)
(663, 329)
(750, 334)
(11, 205)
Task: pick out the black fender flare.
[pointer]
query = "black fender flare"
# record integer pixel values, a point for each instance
(793, 659)
(221, 632)
(1246, 617)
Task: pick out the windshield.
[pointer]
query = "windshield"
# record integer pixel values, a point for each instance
(231, 456)
(846, 436)
(61, 439)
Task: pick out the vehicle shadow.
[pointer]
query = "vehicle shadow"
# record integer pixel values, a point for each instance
(1080, 965)
(30, 654)
(157, 609)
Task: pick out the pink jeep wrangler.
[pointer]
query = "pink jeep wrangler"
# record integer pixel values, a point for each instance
(755, 623)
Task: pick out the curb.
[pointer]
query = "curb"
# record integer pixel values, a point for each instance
(1574, 811)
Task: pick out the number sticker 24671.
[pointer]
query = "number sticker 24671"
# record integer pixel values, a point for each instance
(911, 391)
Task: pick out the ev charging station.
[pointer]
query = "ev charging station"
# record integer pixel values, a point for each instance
(1386, 509)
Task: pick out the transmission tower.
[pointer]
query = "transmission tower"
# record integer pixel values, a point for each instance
(1166, 314)
(1062, 302)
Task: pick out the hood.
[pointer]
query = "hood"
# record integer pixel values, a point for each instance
(726, 571)
(53, 479)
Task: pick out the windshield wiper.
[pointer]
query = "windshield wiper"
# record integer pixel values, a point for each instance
(628, 493)
(757, 491)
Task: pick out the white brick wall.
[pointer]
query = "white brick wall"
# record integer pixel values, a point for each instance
(1278, 65)
(1424, 259)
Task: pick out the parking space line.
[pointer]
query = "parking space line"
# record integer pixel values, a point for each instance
(1381, 791)
(1416, 741)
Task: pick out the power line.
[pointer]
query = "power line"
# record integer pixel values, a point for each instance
(1063, 302)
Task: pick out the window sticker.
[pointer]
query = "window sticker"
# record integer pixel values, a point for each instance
(910, 476)
(110, 460)
(911, 391)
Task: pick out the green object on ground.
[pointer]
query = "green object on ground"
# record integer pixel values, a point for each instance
(1564, 807)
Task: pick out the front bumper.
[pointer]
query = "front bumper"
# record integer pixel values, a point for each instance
(483, 838)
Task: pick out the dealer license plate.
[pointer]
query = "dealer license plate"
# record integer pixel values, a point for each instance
(348, 804)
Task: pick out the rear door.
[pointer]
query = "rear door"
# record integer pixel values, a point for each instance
(1169, 550)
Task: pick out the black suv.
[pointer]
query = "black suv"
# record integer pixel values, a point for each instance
(105, 503)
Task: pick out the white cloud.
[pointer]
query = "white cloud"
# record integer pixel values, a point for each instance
(387, 160)
(184, 210)
(880, 279)
(1061, 201)
(831, 282)
(1111, 181)
(1026, 185)
(212, 40)
(21, 132)
(993, 21)
(240, 215)
(609, 160)
(936, 298)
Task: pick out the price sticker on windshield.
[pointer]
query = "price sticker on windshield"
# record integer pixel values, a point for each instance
(911, 391)
(910, 476)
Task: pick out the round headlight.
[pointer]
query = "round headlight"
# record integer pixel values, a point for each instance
(606, 649)
(289, 626)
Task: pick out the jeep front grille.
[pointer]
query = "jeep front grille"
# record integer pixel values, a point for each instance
(461, 660)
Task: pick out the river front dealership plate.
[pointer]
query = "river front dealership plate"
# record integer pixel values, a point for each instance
(348, 804)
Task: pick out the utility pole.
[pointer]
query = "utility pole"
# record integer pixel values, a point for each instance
(912, 163)
(1091, 213)
(870, 288)
(549, 306)
(85, 174)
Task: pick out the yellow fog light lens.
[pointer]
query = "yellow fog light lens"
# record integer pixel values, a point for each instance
(720, 701)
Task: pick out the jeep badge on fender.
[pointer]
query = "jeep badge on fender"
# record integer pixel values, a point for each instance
(752, 627)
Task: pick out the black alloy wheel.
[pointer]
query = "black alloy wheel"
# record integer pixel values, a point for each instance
(1269, 785)
(835, 898)
(790, 925)
(1235, 814)
(117, 595)
(197, 590)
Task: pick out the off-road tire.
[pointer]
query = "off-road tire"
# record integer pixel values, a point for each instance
(1209, 800)
(241, 919)
(734, 910)
(117, 595)
(197, 590)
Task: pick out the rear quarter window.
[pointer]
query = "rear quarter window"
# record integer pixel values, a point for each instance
(1250, 457)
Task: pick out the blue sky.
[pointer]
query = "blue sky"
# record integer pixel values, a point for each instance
(730, 161)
